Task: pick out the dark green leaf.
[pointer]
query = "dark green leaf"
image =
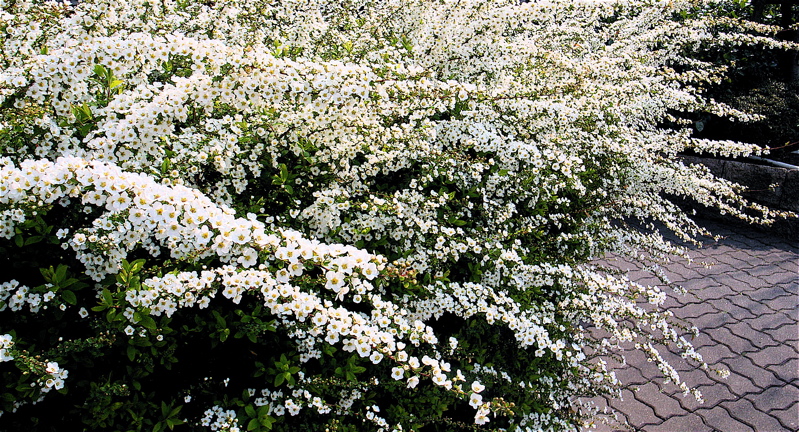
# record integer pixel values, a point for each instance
(148, 322)
(69, 297)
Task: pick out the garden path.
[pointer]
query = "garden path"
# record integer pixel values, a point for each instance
(747, 309)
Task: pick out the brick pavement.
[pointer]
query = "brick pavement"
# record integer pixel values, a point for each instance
(747, 308)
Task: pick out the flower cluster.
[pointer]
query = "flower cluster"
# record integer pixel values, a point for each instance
(218, 418)
(6, 342)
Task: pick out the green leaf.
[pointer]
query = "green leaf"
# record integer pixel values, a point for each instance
(148, 322)
(60, 273)
(69, 297)
(279, 379)
(284, 172)
(107, 297)
(33, 239)
(175, 411)
(219, 320)
(47, 274)
(266, 421)
(253, 425)
(132, 355)
(137, 265)
(406, 43)
(84, 130)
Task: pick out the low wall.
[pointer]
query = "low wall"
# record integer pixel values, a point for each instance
(758, 180)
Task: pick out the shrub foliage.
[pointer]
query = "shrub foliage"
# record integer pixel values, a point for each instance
(343, 215)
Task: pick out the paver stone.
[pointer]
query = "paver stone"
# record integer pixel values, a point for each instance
(720, 420)
(663, 405)
(788, 371)
(637, 413)
(772, 356)
(789, 418)
(744, 411)
(758, 339)
(685, 423)
(776, 398)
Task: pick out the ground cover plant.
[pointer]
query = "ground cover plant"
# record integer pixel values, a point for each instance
(312, 215)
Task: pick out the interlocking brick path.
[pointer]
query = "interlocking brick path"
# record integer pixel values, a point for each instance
(747, 309)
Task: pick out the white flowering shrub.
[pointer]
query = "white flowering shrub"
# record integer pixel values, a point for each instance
(326, 215)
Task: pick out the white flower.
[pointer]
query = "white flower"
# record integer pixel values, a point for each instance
(335, 281)
(6, 342)
(482, 416)
(397, 373)
(475, 400)
(292, 407)
(248, 258)
(453, 343)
